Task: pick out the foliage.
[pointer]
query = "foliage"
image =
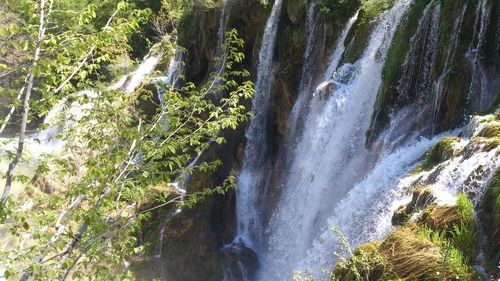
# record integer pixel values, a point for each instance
(465, 239)
(114, 152)
(372, 8)
(85, 39)
(337, 8)
(366, 263)
(465, 208)
(453, 263)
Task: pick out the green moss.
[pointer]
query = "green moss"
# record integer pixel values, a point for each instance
(440, 152)
(296, 10)
(360, 33)
(372, 8)
(358, 41)
(397, 52)
(421, 197)
(450, 11)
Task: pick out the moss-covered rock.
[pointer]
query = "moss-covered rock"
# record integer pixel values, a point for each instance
(440, 152)
(441, 245)
(491, 130)
(366, 264)
(408, 253)
(410, 256)
(421, 197)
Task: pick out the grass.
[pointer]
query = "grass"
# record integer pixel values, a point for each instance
(465, 208)
(453, 263)
(491, 130)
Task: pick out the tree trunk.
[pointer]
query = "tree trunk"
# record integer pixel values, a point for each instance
(26, 105)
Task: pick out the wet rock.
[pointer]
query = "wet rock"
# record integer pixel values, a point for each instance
(421, 198)
(240, 262)
(489, 216)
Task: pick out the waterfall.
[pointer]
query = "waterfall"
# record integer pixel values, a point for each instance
(254, 173)
(46, 141)
(479, 97)
(306, 74)
(170, 81)
(420, 60)
(221, 33)
(451, 49)
(339, 50)
(330, 156)
(414, 102)
(359, 215)
(145, 68)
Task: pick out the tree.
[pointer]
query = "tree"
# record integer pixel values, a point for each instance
(27, 94)
(115, 154)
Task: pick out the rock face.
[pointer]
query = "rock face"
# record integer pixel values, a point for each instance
(236, 254)
(194, 239)
(442, 64)
(203, 230)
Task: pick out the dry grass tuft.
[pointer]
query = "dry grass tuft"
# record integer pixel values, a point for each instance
(410, 256)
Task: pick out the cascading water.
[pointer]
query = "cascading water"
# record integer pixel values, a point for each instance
(306, 75)
(415, 105)
(419, 63)
(221, 34)
(171, 80)
(46, 141)
(330, 157)
(254, 173)
(451, 49)
(480, 95)
(142, 71)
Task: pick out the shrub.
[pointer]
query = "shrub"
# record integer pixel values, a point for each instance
(337, 8)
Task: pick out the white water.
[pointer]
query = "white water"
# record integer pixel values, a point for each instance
(173, 76)
(330, 157)
(364, 214)
(253, 176)
(221, 33)
(47, 141)
(142, 71)
(339, 49)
